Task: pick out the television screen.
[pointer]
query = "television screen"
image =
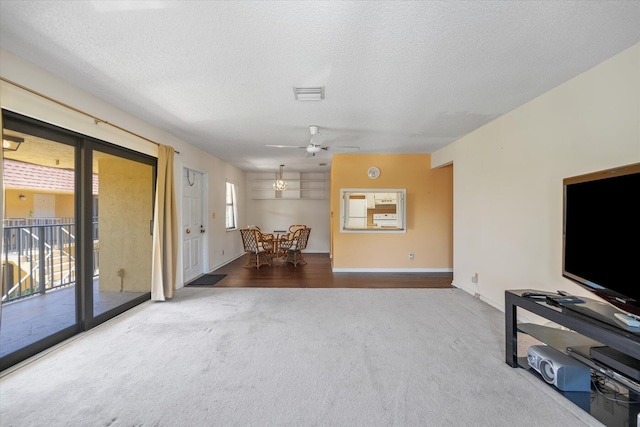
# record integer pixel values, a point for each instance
(601, 240)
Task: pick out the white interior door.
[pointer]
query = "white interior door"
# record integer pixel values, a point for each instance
(193, 229)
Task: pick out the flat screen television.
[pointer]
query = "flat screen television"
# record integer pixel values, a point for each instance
(601, 235)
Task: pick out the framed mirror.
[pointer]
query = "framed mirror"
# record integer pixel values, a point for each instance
(372, 210)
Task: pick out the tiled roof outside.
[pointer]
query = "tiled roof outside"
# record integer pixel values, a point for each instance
(20, 175)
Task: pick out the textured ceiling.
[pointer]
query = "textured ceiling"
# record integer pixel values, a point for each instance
(399, 77)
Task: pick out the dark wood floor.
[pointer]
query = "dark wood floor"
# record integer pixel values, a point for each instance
(317, 274)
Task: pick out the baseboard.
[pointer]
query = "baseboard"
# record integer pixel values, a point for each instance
(212, 269)
(494, 304)
(392, 270)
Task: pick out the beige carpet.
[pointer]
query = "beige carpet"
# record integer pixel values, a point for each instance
(288, 357)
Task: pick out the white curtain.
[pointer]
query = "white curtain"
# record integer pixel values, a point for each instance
(234, 195)
(165, 237)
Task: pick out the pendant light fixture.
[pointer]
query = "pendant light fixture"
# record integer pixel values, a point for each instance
(280, 184)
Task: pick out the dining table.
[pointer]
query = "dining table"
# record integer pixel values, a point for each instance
(278, 237)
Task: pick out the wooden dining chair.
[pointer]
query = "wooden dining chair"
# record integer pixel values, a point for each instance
(258, 255)
(263, 237)
(293, 228)
(287, 241)
(296, 245)
(267, 242)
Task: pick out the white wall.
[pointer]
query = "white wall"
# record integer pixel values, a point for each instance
(508, 177)
(15, 99)
(272, 215)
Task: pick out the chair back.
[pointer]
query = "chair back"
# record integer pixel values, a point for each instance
(249, 239)
(298, 240)
(303, 238)
(265, 241)
(253, 227)
(296, 227)
(287, 241)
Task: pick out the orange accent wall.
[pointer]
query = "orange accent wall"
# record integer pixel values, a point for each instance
(429, 207)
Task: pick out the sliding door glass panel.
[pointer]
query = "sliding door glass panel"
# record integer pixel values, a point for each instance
(123, 209)
(39, 238)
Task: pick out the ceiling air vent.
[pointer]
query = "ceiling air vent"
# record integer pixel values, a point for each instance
(309, 93)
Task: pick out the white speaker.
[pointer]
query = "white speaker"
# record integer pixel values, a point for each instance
(559, 369)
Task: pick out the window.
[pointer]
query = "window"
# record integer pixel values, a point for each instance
(231, 216)
(379, 210)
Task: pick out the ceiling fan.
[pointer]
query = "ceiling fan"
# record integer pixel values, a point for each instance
(315, 143)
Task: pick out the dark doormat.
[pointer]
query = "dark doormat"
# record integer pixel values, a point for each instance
(207, 280)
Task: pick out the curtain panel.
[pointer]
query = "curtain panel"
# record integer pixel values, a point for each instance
(165, 237)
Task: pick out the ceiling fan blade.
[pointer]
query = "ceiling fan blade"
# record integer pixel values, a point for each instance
(285, 146)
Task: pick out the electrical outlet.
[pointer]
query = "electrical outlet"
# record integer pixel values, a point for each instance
(477, 295)
(411, 256)
(474, 278)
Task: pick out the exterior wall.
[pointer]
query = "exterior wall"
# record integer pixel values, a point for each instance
(16, 208)
(508, 177)
(429, 214)
(126, 209)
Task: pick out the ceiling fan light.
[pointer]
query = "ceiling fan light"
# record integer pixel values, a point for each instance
(311, 148)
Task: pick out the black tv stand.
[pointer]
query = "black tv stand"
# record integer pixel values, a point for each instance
(592, 324)
(621, 362)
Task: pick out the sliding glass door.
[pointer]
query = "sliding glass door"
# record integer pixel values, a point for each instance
(39, 259)
(76, 234)
(123, 200)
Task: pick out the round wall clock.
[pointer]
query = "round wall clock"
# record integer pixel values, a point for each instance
(373, 172)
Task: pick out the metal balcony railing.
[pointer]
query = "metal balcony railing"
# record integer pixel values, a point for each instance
(38, 255)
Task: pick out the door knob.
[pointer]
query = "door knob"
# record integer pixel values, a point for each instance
(188, 230)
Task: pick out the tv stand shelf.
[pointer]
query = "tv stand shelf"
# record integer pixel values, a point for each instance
(589, 324)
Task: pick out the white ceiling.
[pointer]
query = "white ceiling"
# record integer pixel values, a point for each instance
(399, 77)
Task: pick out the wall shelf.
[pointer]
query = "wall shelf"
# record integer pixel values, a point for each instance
(304, 185)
